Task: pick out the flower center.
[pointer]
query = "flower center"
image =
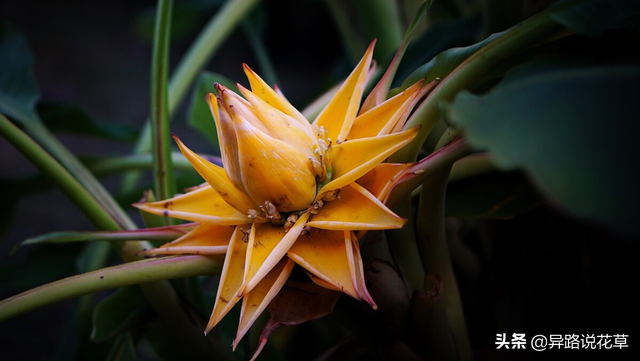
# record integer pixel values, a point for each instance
(321, 163)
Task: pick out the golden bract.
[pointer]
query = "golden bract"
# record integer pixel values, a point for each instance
(319, 183)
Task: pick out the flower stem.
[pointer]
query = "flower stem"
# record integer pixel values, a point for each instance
(434, 253)
(163, 170)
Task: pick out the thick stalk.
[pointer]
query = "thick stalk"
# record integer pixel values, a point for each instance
(434, 252)
(403, 247)
(127, 274)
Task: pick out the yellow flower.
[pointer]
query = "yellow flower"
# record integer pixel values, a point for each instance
(290, 188)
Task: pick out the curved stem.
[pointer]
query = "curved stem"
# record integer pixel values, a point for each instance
(59, 174)
(111, 208)
(427, 167)
(127, 274)
(472, 165)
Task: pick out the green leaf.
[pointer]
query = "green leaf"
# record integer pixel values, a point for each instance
(572, 130)
(199, 114)
(593, 17)
(119, 312)
(444, 63)
(436, 39)
(73, 119)
(165, 234)
(18, 89)
(495, 195)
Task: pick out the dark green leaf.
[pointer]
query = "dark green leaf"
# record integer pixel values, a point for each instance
(121, 311)
(18, 88)
(595, 16)
(437, 39)
(199, 114)
(73, 119)
(442, 64)
(574, 131)
(491, 196)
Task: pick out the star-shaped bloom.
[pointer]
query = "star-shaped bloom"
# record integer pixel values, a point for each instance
(291, 192)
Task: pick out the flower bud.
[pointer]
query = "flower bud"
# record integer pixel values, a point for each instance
(271, 169)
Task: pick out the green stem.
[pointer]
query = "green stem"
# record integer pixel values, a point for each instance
(427, 167)
(163, 169)
(404, 248)
(127, 274)
(141, 161)
(112, 210)
(472, 165)
(405, 252)
(59, 174)
(166, 234)
(209, 40)
(529, 33)
(202, 49)
(162, 296)
(434, 253)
